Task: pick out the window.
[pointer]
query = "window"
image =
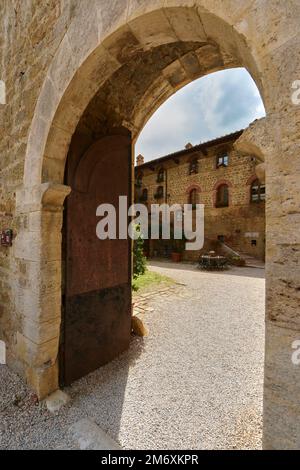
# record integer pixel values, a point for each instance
(139, 180)
(144, 196)
(161, 176)
(138, 186)
(258, 191)
(222, 196)
(223, 160)
(193, 197)
(193, 166)
(159, 193)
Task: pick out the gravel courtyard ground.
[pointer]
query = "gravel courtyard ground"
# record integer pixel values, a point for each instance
(194, 383)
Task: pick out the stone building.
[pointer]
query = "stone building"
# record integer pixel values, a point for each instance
(81, 80)
(218, 176)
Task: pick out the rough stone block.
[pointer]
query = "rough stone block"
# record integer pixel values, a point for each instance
(138, 327)
(186, 24)
(37, 307)
(282, 390)
(56, 401)
(89, 436)
(153, 29)
(40, 333)
(43, 380)
(36, 355)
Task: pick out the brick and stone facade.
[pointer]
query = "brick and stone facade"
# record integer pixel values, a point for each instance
(241, 225)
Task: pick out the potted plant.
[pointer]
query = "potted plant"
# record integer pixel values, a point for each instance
(177, 250)
(237, 261)
(176, 256)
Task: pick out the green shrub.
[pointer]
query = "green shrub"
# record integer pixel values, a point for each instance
(139, 260)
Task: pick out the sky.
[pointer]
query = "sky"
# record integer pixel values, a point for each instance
(215, 105)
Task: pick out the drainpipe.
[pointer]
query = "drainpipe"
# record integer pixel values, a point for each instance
(166, 187)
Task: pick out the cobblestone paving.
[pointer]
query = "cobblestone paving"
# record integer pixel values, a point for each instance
(194, 383)
(142, 301)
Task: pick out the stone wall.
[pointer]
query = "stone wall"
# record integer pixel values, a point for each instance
(30, 34)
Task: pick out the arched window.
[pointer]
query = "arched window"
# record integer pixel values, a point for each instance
(139, 180)
(144, 197)
(258, 191)
(222, 199)
(193, 169)
(161, 176)
(193, 197)
(159, 193)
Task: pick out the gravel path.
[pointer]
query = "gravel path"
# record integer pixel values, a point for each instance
(194, 383)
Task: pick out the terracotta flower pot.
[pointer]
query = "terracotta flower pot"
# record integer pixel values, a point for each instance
(176, 257)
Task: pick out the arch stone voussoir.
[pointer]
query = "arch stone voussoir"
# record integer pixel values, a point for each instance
(193, 186)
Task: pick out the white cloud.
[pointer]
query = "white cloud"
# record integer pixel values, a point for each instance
(166, 129)
(212, 106)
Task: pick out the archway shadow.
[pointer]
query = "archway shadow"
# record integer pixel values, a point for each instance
(100, 395)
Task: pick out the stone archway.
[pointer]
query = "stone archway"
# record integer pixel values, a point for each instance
(96, 47)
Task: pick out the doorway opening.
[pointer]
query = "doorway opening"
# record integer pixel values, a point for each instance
(212, 112)
(97, 297)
